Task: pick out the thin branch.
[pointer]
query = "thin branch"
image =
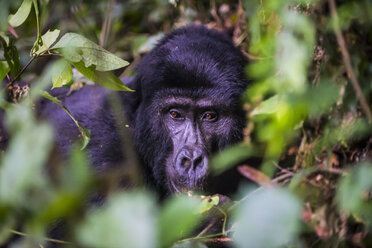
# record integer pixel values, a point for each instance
(20, 73)
(105, 31)
(282, 169)
(207, 228)
(347, 61)
(46, 239)
(202, 237)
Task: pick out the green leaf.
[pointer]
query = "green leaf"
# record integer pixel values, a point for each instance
(5, 38)
(21, 15)
(126, 220)
(25, 157)
(104, 78)
(181, 213)
(208, 203)
(4, 13)
(4, 69)
(351, 190)
(84, 133)
(294, 45)
(230, 157)
(268, 106)
(11, 56)
(48, 39)
(76, 48)
(268, 218)
(75, 180)
(62, 73)
(77, 174)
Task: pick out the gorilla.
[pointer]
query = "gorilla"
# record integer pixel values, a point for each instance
(184, 108)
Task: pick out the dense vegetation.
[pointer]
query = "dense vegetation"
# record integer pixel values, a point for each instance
(309, 123)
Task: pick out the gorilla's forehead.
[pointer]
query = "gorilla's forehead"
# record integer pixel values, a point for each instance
(187, 101)
(199, 98)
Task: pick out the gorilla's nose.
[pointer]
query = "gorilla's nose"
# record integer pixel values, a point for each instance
(192, 158)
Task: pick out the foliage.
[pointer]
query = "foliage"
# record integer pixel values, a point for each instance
(308, 120)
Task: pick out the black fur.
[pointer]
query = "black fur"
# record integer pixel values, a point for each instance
(192, 63)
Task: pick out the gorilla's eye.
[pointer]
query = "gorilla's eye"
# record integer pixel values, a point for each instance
(175, 114)
(209, 116)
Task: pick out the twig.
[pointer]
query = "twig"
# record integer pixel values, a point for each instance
(331, 170)
(282, 177)
(106, 24)
(282, 169)
(201, 237)
(219, 240)
(214, 14)
(204, 237)
(346, 57)
(207, 228)
(46, 239)
(20, 73)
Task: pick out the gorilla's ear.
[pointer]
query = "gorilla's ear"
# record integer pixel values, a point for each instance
(132, 100)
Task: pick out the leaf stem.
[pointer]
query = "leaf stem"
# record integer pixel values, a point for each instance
(224, 220)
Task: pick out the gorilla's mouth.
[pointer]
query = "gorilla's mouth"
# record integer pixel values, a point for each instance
(174, 188)
(182, 184)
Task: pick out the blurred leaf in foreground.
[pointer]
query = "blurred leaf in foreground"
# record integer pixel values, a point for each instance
(354, 193)
(230, 157)
(269, 218)
(22, 164)
(178, 217)
(190, 244)
(126, 220)
(75, 180)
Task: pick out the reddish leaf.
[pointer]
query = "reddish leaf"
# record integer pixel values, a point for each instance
(255, 175)
(12, 31)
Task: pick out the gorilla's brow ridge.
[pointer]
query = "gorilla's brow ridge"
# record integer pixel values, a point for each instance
(185, 101)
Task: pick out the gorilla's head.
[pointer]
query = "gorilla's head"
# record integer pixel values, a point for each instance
(187, 105)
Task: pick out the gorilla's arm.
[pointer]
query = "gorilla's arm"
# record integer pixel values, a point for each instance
(91, 107)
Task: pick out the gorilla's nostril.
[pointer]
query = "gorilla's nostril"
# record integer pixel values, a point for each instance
(185, 162)
(198, 161)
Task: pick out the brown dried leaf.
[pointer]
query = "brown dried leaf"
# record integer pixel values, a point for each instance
(256, 176)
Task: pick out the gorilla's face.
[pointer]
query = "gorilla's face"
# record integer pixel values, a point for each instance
(181, 132)
(188, 89)
(194, 126)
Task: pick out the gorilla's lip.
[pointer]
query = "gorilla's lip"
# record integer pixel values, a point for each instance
(181, 184)
(176, 188)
